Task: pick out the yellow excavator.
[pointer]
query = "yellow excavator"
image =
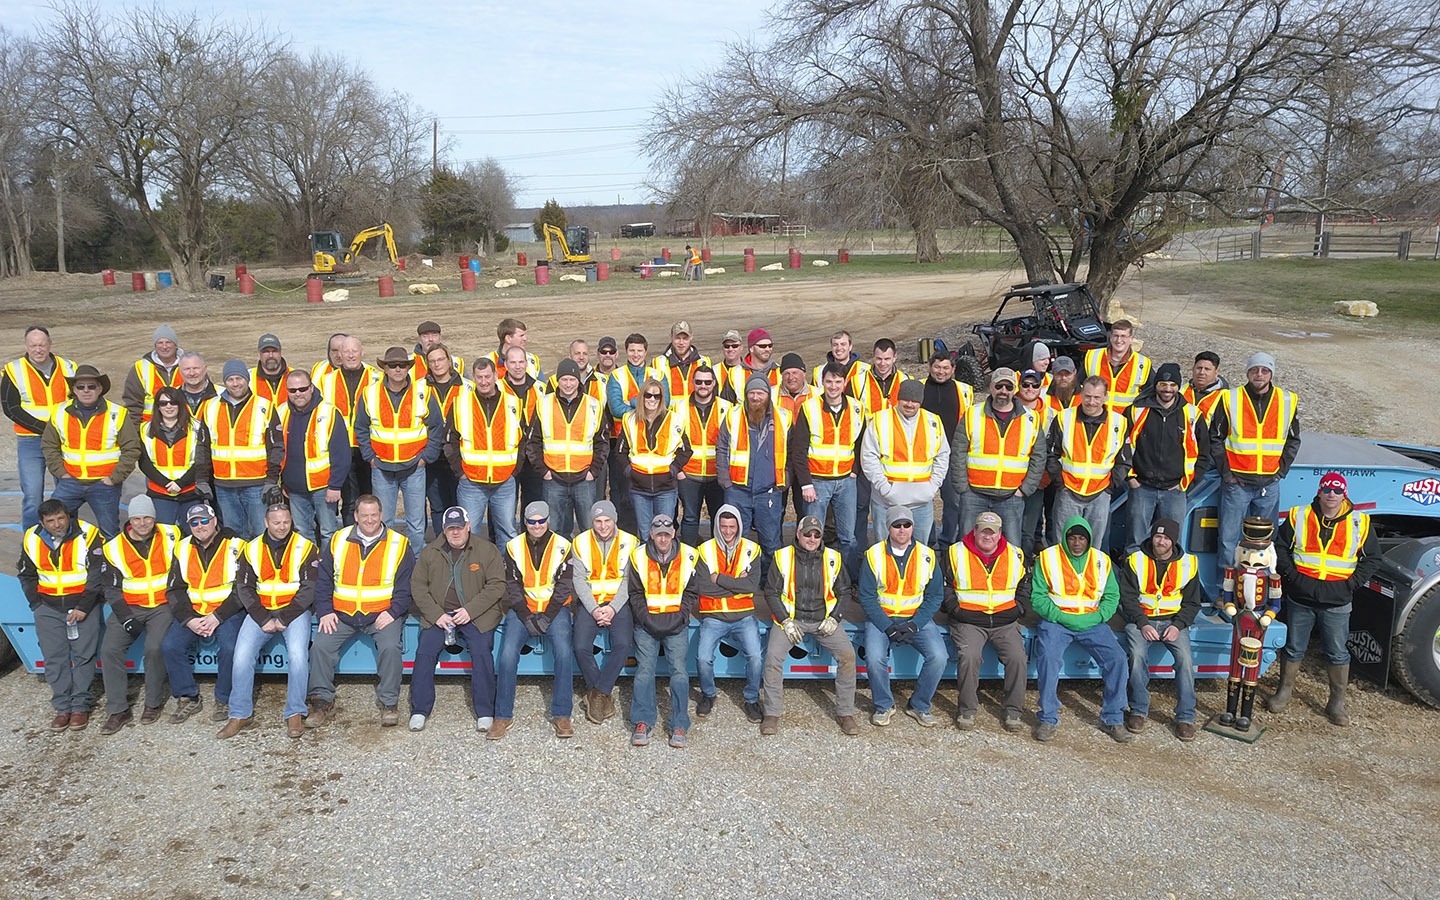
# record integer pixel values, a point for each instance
(331, 263)
(574, 243)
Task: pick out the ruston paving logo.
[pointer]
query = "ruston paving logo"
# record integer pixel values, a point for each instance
(1425, 491)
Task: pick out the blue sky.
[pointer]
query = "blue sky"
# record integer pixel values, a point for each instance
(486, 67)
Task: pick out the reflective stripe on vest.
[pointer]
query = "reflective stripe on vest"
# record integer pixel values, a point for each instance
(538, 582)
(532, 364)
(172, 460)
(276, 394)
(237, 449)
(365, 582)
(39, 396)
(398, 435)
(1332, 560)
(143, 578)
(209, 586)
(1122, 386)
(276, 584)
(832, 441)
(1254, 446)
(607, 572)
(995, 462)
(652, 460)
(900, 593)
(317, 442)
(1207, 401)
(677, 378)
(1160, 597)
(907, 459)
(785, 565)
(152, 379)
(746, 553)
(790, 404)
(489, 446)
(665, 588)
(875, 399)
(1192, 449)
(92, 450)
(855, 373)
(738, 425)
(704, 434)
(64, 571)
(979, 589)
(1074, 592)
(1085, 462)
(345, 402)
(964, 393)
(569, 446)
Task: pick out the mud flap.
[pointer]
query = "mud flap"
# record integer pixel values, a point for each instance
(1372, 622)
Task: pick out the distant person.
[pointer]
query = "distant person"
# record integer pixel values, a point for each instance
(32, 388)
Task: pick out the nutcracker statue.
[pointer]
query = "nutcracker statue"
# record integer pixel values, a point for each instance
(1252, 599)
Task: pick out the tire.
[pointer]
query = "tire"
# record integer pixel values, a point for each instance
(1416, 650)
(7, 654)
(969, 370)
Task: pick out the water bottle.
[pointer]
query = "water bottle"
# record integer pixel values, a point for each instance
(72, 629)
(452, 643)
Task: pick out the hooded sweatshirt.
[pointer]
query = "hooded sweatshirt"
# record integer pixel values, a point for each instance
(974, 616)
(718, 585)
(1192, 594)
(1040, 588)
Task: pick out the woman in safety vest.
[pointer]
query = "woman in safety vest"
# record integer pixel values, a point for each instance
(174, 457)
(654, 440)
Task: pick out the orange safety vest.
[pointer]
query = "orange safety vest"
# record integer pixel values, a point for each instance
(1254, 445)
(321, 371)
(996, 462)
(979, 589)
(237, 449)
(900, 593)
(532, 364)
(39, 396)
(854, 377)
(317, 442)
(1074, 592)
(1192, 449)
(907, 460)
(538, 582)
(1085, 462)
(152, 379)
(665, 587)
(607, 571)
(277, 583)
(785, 565)
(92, 450)
(449, 393)
(732, 565)
(64, 571)
(876, 399)
(1206, 403)
(421, 368)
(172, 460)
(209, 586)
(832, 440)
(569, 446)
(528, 403)
(1160, 597)
(677, 378)
(738, 426)
(704, 434)
(1123, 386)
(652, 460)
(346, 403)
(365, 583)
(398, 435)
(1332, 560)
(1053, 403)
(489, 446)
(143, 578)
(791, 404)
(261, 386)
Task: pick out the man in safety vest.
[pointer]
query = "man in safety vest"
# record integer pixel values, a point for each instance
(665, 578)
(727, 610)
(539, 588)
(276, 586)
(1254, 438)
(998, 456)
(622, 395)
(906, 458)
(676, 367)
(91, 445)
(31, 389)
(60, 574)
(752, 461)
(1170, 451)
(592, 381)
(567, 447)
(513, 335)
(901, 587)
(429, 337)
(794, 387)
(1074, 591)
(203, 605)
(315, 457)
(1207, 386)
(828, 432)
(804, 598)
(842, 353)
(344, 387)
(949, 398)
(880, 390)
(267, 378)
(984, 599)
(156, 369)
(730, 370)
(195, 380)
(363, 588)
(1125, 372)
(600, 567)
(400, 429)
(1089, 456)
(1160, 595)
(137, 569)
(245, 450)
(1325, 551)
(758, 361)
(705, 413)
(484, 432)
(334, 357)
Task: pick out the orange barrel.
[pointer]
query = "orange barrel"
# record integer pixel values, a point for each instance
(614, 254)
(137, 282)
(400, 263)
(794, 258)
(542, 273)
(520, 260)
(749, 251)
(704, 254)
(464, 262)
(844, 255)
(107, 277)
(645, 270)
(240, 270)
(602, 271)
(467, 280)
(665, 253)
(247, 284)
(749, 262)
(314, 290)
(387, 286)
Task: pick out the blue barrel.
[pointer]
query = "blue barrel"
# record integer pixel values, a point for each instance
(165, 279)
(475, 265)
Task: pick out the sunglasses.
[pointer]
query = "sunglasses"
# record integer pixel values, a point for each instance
(702, 382)
(1325, 490)
(765, 345)
(663, 522)
(166, 403)
(397, 365)
(537, 521)
(652, 396)
(610, 352)
(87, 387)
(1029, 384)
(200, 520)
(902, 524)
(299, 390)
(729, 345)
(1004, 386)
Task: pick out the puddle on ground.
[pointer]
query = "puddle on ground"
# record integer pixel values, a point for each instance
(1305, 334)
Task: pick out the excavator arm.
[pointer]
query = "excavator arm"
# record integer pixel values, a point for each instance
(554, 234)
(365, 236)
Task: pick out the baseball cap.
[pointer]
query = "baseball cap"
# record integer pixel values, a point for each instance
(731, 335)
(662, 524)
(607, 342)
(1002, 374)
(268, 342)
(195, 511)
(900, 514)
(988, 521)
(455, 517)
(680, 327)
(1062, 364)
(1032, 374)
(809, 525)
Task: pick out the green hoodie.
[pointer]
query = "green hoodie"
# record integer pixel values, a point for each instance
(1040, 588)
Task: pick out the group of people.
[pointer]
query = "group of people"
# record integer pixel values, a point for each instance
(287, 496)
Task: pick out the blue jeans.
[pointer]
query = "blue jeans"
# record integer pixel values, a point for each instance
(570, 505)
(1051, 641)
(558, 640)
(495, 500)
(482, 668)
(388, 487)
(1094, 510)
(622, 645)
(644, 707)
(950, 531)
(440, 488)
(176, 647)
(764, 512)
(923, 515)
(248, 644)
(1145, 505)
(1334, 629)
(171, 510)
(1011, 511)
(31, 463)
(241, 509)
(648, 506)
(1140, 671)
(693, 492)
(310, 510)
(1236, 502)
(104, 500)
(931, 644)
(747, 633)
(839, 494)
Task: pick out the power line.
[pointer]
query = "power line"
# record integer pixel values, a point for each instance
(580, 130)
(578, 112)
(574, 151)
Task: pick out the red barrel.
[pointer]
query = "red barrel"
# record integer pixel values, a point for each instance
(240, 270)
(646, 271)
(247, 284)
(467, 280)
(665, 253)
(844, 255)
(464, 262)
(520, 260)
(704, 254)
(400, 263)
(614, 254)
(137, 282)
(387, 286)
(107, 277)
(749, 262)
(749, 251)
(314, 290)
(794, 258)
(602, 271)
(542, 274)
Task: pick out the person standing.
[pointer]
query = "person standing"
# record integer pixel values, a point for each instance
(1063, 391)
(1038, 505)
(244, 451)
(32, 388)
(430, 338)
(267, 378)
(828, 429)
(879, 392)
(704, 414)
(567, 448)
(174, 458)
(794, 388)
(592, 381)
(485, 429)
(195, 381)
(730, 371)
(842, 353)
(524, 387)
(91, 446)
(345, 387)
(676, 367)
(400, 428)
(1170, 448)
(727, 610)
(315, 458)
(1124, 371)
(512, 333)
(334, 358)
(1160, 595)
(949, 399)
(622, 395)
(694, 266)
(600, 566)
(906, 458)
(1089, 455)
(664, 583)
(998, 457)
(752, 462)
(448, 384)
(653, 439)
(758, 361)
(151, 372)
(1207, 386)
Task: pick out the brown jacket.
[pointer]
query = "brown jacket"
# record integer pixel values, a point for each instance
(481, 588)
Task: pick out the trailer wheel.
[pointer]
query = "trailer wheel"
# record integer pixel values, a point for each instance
(969, 370)
(1416, 661)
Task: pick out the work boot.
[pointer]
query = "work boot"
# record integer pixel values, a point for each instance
(79, 720)
(497, 729)
(1117, 733)
(1335, 709)
(221, 713)
(185, 707)
(116, 722)
(704, 705)
(563, 728)
(151, 715)
(1277, 701)
(770, 725)
(321, 712)
(234, 726)
(1134, 723)
(295, 725)
(849, 726)
(609, 700)
(594, 707)
(61, 722)
(389, 716)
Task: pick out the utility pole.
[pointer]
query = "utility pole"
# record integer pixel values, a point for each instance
(435, 148)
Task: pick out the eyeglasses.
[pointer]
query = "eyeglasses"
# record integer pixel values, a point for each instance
(764, 345)
(652, 396)
(731, 345)
(537, 521)
(166, 403)
(397, 365)
(201, 520)
(1325, 490)
(1029, 384)
(87, 387)
(902, 524)
(702, 382)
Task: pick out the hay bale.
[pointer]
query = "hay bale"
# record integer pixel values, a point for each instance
(573, 277)
(424, 288)
(336, 295)
(668, 273)
(773, 267)
(718, 270)
(1360, 309)
(819, 262)
(506, 282)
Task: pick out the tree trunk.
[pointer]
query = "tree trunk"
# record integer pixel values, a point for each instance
(927, 245)
(60, 223)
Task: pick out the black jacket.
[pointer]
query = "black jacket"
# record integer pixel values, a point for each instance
(1313, 592)
(1192, 594)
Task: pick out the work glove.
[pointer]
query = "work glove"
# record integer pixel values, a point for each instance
(272, 495)
(901, 634)
(532, 625)
(792, 632)
(828, 626)
(131, 626)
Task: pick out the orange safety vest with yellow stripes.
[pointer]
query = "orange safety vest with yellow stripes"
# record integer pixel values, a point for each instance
(900, 593)
(1085, 462)
(677, 378)
(704, 434)
(791, 404)
(90, 450)
(874, 398)
(995, 461)
(538, 581)
(40, 396)
(64, 571)
(737, 424)
(172, 460)
(277, 394)
(398, 434)
(152, 379)
(1207, 401)
(277, 583)
(532, 364)
(732, 565)
(346, 403)
(907, 459)
(1192, 449)
(568, 445)
(317, 442)
(1332, 560)
(832, 438)
(1254, 445)
(979, 589)
(1074, 592)
(1160, 596)
(785, 565)
(489, 445)
(1056, 407)
(448, 393)
(1123, 386)
(209, 585)
(649, 459)
(237, 448)
(143, 578)
(365, 582)
(607, 570)
(529, 401)
(420, 368)
(665, 585)
(855, 373)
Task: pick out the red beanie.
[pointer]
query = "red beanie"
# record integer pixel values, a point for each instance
(1334, 480)
(756, 336)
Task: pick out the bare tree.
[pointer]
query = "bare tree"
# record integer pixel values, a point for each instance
(19, 151)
